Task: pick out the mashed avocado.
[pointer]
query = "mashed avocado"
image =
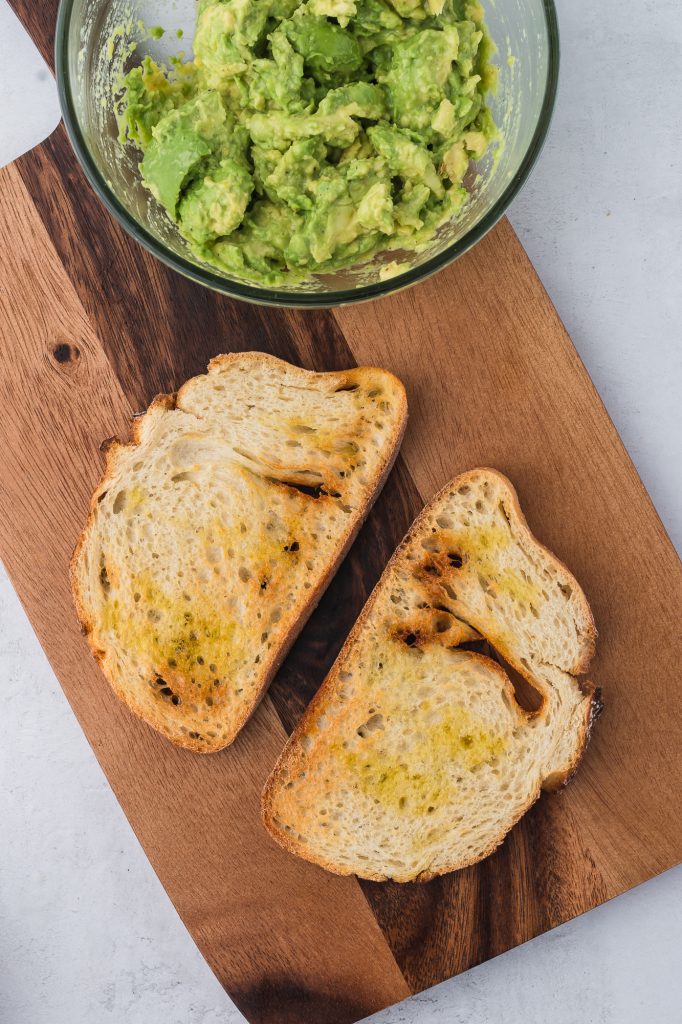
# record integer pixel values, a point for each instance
(304, 137)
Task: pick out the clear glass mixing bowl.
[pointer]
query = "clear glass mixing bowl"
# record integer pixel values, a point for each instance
(87, 70)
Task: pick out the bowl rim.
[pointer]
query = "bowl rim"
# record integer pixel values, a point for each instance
(291, 299)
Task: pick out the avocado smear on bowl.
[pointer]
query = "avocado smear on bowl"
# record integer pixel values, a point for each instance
(305, 137)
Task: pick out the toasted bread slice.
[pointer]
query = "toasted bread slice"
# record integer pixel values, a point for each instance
(415, 757)
(214, 532)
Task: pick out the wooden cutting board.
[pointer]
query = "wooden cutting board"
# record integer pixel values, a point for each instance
(91, 328)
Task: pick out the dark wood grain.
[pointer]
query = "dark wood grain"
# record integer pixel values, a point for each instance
(261, 917)
(172, 327)
(93, 326)
(110, 277)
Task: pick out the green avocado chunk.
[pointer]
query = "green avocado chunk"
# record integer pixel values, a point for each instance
(307, 136)
(327, 49)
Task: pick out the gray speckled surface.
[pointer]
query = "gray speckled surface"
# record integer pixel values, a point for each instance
(87, 934)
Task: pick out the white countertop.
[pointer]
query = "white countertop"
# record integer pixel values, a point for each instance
(87, 934)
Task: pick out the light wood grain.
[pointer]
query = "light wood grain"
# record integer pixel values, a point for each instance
(493, 379)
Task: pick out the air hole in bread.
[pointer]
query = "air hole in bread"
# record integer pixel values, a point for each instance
(346, 387)
(119, 502)
(164, 690)
(373, 724)
(442, 623)
(455, 559)
(527, 697)
(104, 580)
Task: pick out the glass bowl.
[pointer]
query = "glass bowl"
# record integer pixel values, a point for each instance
(526, 35)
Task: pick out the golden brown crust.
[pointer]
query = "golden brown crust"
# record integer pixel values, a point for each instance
(286, 765)
(291, 846)
(590, 639)
(270, 667)
(593, 709)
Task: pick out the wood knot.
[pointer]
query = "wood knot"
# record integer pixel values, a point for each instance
(67, 354)
(64, 352)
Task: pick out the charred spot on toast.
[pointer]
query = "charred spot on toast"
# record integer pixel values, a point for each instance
(315, 492)
(441, 563)
(597, 701)
(164, 690)
(408, 635)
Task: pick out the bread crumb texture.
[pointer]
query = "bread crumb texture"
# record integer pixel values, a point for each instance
(416, 757)
(211, 536)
